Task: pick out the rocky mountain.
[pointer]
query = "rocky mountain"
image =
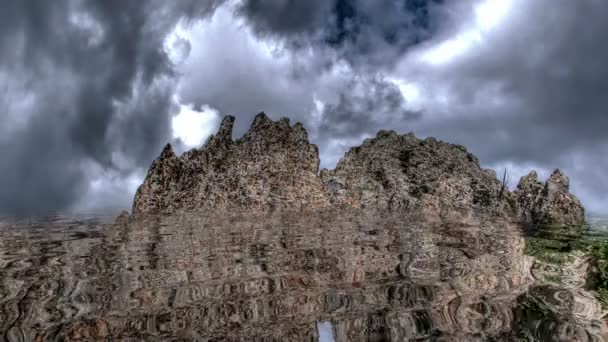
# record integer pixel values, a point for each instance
(403, 172)
(274, 165)
(550, 202)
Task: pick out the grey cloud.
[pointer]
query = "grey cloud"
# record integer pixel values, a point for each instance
(180, 50)
(360, 31)
(77, 63)
(288, 17)
(30, 161)
(85, 80)
(546, 67)
(550, 63)
(144, 122)
(365, 105)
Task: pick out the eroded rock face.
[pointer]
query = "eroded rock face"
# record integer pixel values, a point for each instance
(550, 202)
(403, 172)
(274, 165)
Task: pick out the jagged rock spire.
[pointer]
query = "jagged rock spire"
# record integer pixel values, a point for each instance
(225, 130)
(558, 181)
(167, 152)
(274, 165)
(550, 202)
(260, 120)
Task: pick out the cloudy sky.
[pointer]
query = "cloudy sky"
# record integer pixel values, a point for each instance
(92, 89)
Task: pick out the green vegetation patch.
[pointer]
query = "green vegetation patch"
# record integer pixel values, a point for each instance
(558, 245)
(554, 244)
(598, 280)
(548, 251)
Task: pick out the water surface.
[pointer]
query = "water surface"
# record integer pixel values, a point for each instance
(286, 276)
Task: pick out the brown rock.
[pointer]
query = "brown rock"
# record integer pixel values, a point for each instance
(403, 172)
(550, 202)
(123, 218)
(89, 330)
(274, 165)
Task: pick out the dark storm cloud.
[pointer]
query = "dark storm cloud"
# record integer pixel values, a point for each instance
(360, 31)
(365, 105)
(67, 68)
(549, 64)
(287, 17)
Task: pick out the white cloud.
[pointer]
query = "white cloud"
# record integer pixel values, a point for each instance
(489, 14)
(192, 126)
(411, 92)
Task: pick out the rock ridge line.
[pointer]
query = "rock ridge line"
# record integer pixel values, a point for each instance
(273, 165)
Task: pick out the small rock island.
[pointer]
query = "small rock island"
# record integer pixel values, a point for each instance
(275, 166)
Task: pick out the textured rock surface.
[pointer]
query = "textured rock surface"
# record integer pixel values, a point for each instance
(550, 202)
(402, 172)
(274, 165)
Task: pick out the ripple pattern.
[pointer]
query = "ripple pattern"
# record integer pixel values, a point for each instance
(278, 276)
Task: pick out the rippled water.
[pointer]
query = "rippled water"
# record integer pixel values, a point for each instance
(329, 276)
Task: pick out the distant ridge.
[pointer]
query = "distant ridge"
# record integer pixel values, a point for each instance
(274, 165)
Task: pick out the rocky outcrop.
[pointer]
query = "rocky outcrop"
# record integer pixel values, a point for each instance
(403, 172)
(550, 202)
(274, 165)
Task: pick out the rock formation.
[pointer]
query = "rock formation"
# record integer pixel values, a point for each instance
(550, 202)
(274, 165)
(403, 172)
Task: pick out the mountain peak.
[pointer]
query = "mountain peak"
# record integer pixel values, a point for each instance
(274, 165)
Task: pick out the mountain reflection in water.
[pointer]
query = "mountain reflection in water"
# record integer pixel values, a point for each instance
(282, 276)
